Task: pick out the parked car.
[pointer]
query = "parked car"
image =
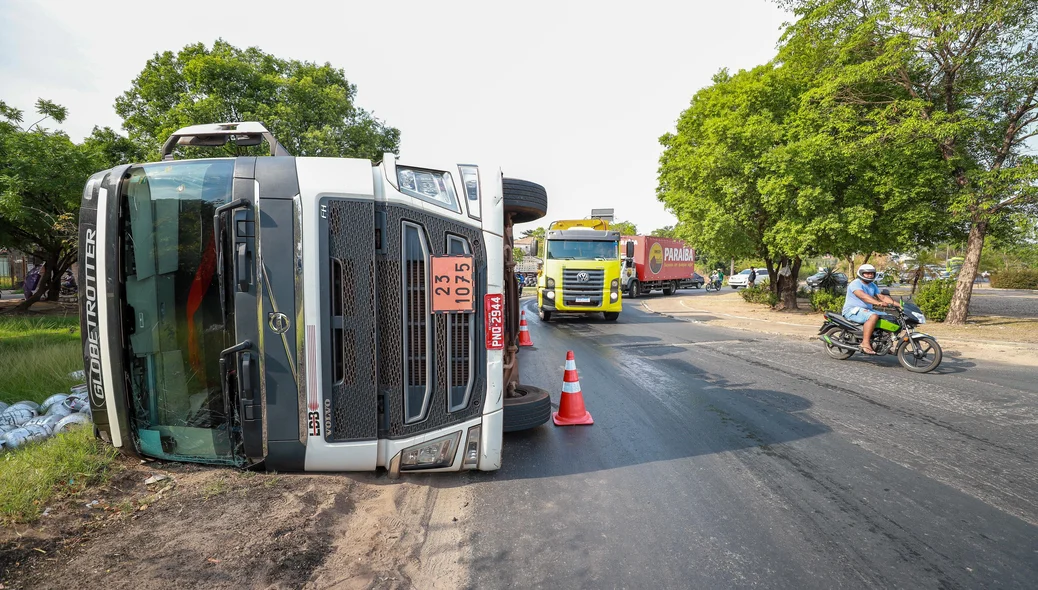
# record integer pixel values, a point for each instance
(740, 280)
(697, 281)
(814, 280)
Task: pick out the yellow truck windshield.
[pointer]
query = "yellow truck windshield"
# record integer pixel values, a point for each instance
(581, 250)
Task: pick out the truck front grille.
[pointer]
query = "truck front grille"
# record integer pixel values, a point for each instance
(582, 287)
(350, 401)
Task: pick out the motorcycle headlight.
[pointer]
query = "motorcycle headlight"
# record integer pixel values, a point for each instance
(919, 316)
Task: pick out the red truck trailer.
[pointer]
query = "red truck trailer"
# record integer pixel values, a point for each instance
(658, 264)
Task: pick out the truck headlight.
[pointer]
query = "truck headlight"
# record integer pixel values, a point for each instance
(429, 185)
(549, 288)
(470, 185)
(471, 460)
(431, 454)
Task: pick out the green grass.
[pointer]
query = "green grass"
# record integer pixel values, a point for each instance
(60, 466)
(36, 356)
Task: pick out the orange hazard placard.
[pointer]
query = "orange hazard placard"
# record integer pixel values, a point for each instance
(453, 288)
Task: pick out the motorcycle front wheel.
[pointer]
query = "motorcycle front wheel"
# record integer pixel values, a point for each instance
(925, 360)
(838, 334)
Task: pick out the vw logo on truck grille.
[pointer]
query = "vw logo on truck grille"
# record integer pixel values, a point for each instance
(583, 277)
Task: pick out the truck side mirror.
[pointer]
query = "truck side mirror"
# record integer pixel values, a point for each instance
(630, 249)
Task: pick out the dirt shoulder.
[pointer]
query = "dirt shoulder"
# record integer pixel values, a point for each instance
(989, 338)
(203, 527)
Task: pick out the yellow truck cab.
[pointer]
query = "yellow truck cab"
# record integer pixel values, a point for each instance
(581, 273)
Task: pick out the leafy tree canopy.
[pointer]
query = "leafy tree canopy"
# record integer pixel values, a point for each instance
(42, 174)
(310, 108)
(955, 77)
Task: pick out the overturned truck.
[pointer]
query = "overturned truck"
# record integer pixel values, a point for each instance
(304, 314)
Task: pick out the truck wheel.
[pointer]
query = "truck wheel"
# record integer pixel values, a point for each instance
(526, 201)
(633, 289)
(669, 288)
(529, 410)
(544, 314)
(611, 316)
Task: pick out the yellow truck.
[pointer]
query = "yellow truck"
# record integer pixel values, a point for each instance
(581, 272)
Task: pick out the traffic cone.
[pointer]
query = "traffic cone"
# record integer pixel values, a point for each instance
(524, 331)
(571, 406)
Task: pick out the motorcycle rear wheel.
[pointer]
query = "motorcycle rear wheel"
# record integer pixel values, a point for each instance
(837, 333)
(930, 355)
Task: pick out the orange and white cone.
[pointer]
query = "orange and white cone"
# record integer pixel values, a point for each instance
(571, 406)
(524, 331)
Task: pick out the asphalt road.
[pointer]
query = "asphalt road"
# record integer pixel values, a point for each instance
(722, 459)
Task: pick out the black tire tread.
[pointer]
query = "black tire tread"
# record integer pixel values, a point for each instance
(526, 201)
(528, 411)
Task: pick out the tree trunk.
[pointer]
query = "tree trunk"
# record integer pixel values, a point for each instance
(787, 285)
(960, 303)
(770, 265)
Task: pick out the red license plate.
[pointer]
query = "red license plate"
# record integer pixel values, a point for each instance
(494, 316)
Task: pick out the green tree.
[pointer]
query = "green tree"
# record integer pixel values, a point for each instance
(961, 75)
(518, 254)
(42, 174)
(626, 228)
(770, 168)
(667, 231)
(537, 233)
(310, 108)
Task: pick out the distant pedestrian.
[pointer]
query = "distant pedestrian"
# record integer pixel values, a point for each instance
(752, 279)
(32, 280)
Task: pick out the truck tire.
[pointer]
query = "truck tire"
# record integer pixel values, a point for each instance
(633, 289)
(544, 314)
(526, 201)
(611, 316)
(529, 410)
(669, 288)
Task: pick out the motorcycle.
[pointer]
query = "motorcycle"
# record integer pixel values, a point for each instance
(894, 334)
(712, 286)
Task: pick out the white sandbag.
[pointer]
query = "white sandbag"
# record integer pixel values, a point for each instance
(59, 410)
(25, 435)
(76, 404)
(17, 415)
(57, 398)
(70, 421)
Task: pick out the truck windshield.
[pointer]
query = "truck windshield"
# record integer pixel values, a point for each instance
(172, 298)
(582, 250)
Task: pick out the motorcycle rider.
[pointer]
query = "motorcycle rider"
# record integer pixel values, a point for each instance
(862, 294)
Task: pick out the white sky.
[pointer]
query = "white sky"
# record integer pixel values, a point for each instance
(572, 95)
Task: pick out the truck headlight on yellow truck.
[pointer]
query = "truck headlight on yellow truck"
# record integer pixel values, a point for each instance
(614, 290)
(549, 288)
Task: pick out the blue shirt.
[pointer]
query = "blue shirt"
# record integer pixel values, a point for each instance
(852, 300)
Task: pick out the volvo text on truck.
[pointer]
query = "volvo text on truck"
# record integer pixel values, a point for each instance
(299, 313)
(581, 272)
(657, 264)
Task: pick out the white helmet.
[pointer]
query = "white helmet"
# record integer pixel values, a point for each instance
(864, 269)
